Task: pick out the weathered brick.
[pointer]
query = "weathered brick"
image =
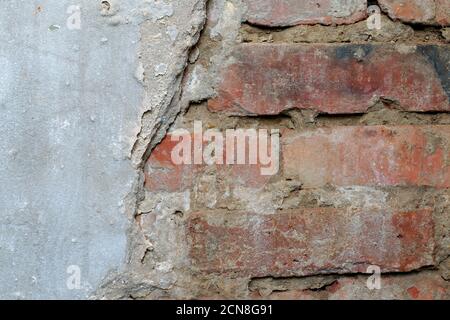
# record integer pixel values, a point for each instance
(426, 285)
(267, 79)
(293, 12)
(369, 156)
(418, 11)
(310, 241)
(162, 174)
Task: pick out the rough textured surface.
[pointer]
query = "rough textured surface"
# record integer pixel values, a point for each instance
(72, 105)
(377, 156)
(354, 33)
(153, 254)
(301, 242)
(292, 12)
(89, 181)
(424, 286)
(418, 11)
(270, 79)
(163, 175)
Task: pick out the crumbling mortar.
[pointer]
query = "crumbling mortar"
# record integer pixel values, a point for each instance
(392, 32)
(320, 282)
(381, 113)
(128, 283)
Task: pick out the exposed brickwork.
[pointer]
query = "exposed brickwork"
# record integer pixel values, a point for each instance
(364, 172)
(269, 79)
(377, 156)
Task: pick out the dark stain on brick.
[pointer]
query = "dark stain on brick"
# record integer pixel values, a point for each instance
(439, 57)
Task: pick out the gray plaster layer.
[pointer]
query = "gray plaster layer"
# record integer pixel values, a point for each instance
(80, 110)
(70, 109)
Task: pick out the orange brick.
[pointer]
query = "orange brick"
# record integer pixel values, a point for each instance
(369, 156)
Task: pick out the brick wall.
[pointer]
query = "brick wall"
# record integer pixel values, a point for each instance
(364, 171)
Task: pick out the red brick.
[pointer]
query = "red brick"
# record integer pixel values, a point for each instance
(162, 174)
(310, 241)
(418, 11)
(267, 79)
(369, 156)
(293, 12)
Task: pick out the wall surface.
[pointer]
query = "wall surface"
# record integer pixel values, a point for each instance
(72, 100)
(358, 98)
(69, 105)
